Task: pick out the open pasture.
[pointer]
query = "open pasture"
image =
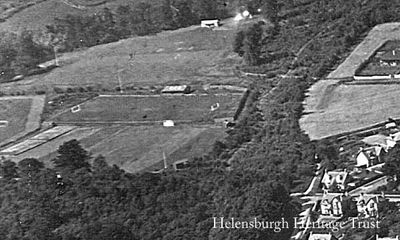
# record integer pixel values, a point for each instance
(14, 114)
(350, 107)
(125, 108)
(133, 148)
(184, 56)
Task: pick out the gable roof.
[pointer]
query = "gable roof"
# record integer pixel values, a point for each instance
(335, 176)
(370, 152)
(366, 198)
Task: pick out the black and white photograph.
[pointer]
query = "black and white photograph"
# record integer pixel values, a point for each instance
(199, 119)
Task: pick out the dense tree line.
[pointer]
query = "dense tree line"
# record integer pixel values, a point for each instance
(79, 200)
(19, 53)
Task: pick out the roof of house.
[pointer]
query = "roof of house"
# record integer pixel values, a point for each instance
(364, 175)
(331, 196)
(395, 136)
(370, 152)
(334, 175)
(377, 139)
(393, 55)
(366, 198)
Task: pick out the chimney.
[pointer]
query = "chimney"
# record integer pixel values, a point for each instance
(394, 52)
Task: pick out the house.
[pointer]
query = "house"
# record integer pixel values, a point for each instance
(387, 238)
(210, 23)
(367, 157)
(337, 179)
(323, 236)
(331, 205)
(176, 89)
(367, 205)
(390, 58)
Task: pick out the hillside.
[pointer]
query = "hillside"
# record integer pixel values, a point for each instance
(249, 174)
(189, 55)
(43, 12)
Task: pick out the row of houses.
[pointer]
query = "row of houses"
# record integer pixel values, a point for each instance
(366, 205)
(342, 187)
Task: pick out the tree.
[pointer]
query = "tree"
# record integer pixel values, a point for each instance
(29, 54)
(238, 43)
(8, 170)
(270, 9)
(29, 166)
(252, 44)
(392, 165)
(71, 156)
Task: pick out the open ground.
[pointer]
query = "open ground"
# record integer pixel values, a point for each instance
(331, 107)
(190, 55)
(193, 56)
(23, 116)
(134, 148)
(150, 108)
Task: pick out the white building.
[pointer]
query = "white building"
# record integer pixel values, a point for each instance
(367, 206)
(368, 157)
(210, 23)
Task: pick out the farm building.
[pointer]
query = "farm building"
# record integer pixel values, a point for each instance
(176, 89)
(323, 236)
(211, 23)
(390, 58)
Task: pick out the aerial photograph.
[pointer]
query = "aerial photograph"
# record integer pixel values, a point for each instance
(199, 119)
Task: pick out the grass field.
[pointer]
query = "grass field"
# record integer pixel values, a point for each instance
(331, 108)
(195, 108)
(349, 107)
(189, 55)
(375, 39)
(135, 148)
(138, 148)
(16, 112)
